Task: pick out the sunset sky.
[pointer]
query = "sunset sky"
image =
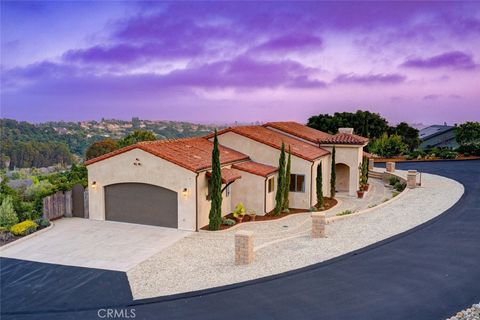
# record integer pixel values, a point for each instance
(240, 61)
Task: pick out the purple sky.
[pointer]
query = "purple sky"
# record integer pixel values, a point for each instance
(240, 61)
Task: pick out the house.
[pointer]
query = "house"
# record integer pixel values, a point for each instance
(438, 136)
(166, 182)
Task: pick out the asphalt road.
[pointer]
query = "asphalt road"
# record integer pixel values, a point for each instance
(429, 272)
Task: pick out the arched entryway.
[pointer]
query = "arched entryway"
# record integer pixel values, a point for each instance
(342, 172)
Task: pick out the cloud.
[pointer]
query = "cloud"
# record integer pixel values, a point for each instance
(241, 72)
(370, 79)
(288, 44)
(432, 97)
(452, 60)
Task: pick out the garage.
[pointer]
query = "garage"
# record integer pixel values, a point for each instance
(141, 203)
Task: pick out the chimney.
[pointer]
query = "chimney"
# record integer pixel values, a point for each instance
(345, 130)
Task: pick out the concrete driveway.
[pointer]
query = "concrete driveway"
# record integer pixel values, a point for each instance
(95, 244)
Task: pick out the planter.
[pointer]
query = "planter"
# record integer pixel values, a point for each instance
(365, 187)
(239, 219)
(252, 217)
(360, 194)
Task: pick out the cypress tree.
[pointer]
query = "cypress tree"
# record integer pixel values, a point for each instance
(333, 177)
(320, 201)
(286, 203)
(215, 216)
(281, 182)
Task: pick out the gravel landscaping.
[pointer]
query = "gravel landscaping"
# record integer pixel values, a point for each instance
(472, 313)
(205, 259)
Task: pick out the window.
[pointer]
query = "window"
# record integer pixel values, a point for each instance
(271, 184)
(297, 183)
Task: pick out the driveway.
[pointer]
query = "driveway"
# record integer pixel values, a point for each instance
(429, 272)
(95, 244)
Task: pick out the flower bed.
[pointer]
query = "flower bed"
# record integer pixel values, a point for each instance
(328, 204)
(21, 230)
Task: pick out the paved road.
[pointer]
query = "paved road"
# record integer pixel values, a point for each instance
(429, 272)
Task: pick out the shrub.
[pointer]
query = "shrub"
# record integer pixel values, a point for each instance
(8, 217)
(24, 228)
(471, 148)
(446, 154)
(399, 186)
(388, 146)
(394, 194)
(42, 222)
(228, 222)
(239, 210)
(393, 180)
(344, 213)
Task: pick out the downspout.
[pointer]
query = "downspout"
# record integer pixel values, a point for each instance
(196, 201)
(265, 195)
(311, 184)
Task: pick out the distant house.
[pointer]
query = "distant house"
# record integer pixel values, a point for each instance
(20, 183)
(438, 136)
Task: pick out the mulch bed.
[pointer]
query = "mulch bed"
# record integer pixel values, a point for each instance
(328, 204)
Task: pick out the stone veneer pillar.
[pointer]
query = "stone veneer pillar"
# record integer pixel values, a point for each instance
(319, 221)
(244, 253)
(371, 163)
(412, 179)
(390, 166)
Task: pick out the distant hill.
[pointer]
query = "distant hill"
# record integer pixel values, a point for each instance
(44, 144)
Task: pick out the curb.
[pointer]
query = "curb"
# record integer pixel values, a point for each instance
(11, 244)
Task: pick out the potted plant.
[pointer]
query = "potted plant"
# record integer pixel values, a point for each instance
(239, 212)
(360, 194)
(252, 215)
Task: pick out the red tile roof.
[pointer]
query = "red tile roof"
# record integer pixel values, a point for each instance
(228, 175)
(194, 154)
(344, 138)
(274, 139)
(256, 168)
(299, 130)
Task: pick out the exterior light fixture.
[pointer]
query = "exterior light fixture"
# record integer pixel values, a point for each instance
(185, 192)
(94, 185)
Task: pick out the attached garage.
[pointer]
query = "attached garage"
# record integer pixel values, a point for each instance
(141, 203)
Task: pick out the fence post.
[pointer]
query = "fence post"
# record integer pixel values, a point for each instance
(85, 204)
(68, 204)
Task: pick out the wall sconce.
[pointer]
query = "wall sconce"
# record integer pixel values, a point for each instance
(185, 192)
(94, 185)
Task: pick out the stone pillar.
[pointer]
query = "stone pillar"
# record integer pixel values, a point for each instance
(244, 253)
(411, 179)
(319, 221)
(68, 204)
(371, 163)
(390, 166)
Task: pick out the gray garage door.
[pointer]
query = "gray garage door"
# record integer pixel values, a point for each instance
(141, 203)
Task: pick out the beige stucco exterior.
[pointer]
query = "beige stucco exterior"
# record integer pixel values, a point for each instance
(350, 155)
(153, 170)
(250, 189)
(265, 154)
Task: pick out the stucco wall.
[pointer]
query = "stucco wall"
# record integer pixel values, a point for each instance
(352, 157)
(250, 190)
(261, 153)
(204, 204)
(153, 170)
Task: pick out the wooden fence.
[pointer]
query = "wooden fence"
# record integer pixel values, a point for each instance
(66, 204)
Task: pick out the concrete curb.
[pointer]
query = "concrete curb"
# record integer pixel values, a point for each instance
(36, 233)
(381, 205)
